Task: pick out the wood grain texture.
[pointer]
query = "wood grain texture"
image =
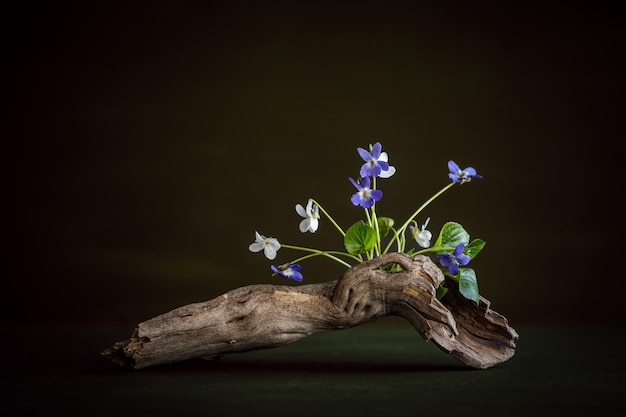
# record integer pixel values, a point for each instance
(267, 316)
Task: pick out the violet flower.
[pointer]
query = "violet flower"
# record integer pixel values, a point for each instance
(365, 196)
(461, 175)
(454, 259)
(269, 245)
(376, 164)
(289, 271)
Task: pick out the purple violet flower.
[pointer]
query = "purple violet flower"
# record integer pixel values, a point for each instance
(365, 197)
(289, 271)
(454, 259)
(461, 175)
(376, 164)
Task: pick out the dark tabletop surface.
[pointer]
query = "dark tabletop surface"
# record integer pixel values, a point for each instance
(381, 367)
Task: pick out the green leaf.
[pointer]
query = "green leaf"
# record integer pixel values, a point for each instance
(384, 225)
(474, 248)
(441, 291)
(468, 285)
(451, 235)
(360, 238)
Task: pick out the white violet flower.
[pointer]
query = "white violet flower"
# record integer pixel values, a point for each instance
(268, 245)
(311, 217)
(423, 236)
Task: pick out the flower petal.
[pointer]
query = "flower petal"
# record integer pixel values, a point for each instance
(270, 252)
(388, 173)
(444, 259)
(366, 202)
(458, 251)
(255, 247)
(365, 155)
(304, 225)
(376, 149)
(309, 207)
(300, 210)
(273, 242)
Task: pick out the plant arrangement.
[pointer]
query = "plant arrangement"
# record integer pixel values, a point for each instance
(390, 271)
(376, 235)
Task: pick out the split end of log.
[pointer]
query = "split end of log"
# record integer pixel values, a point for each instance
(123, 352)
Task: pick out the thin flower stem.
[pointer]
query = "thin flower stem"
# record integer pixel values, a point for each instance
(312, 255)
(370, 253)
(434, 249)
(375, 221)
(419, 210)
(329, 217)
(302, 258)
(402, 238)
(398, 239)
(329, 254)
(423, 206)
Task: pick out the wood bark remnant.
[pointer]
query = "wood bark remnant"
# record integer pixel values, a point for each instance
(267, 316)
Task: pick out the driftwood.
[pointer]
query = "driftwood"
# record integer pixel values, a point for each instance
(266, 316)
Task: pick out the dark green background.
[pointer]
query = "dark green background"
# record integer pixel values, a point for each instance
(144, 143)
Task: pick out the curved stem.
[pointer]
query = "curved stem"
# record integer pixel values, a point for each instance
(370, 253)
(419, 210)
(436, 249)
(328, 254)
(329, 217)
(375, 221)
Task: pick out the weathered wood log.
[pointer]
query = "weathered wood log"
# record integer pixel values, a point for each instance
(266, 316)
